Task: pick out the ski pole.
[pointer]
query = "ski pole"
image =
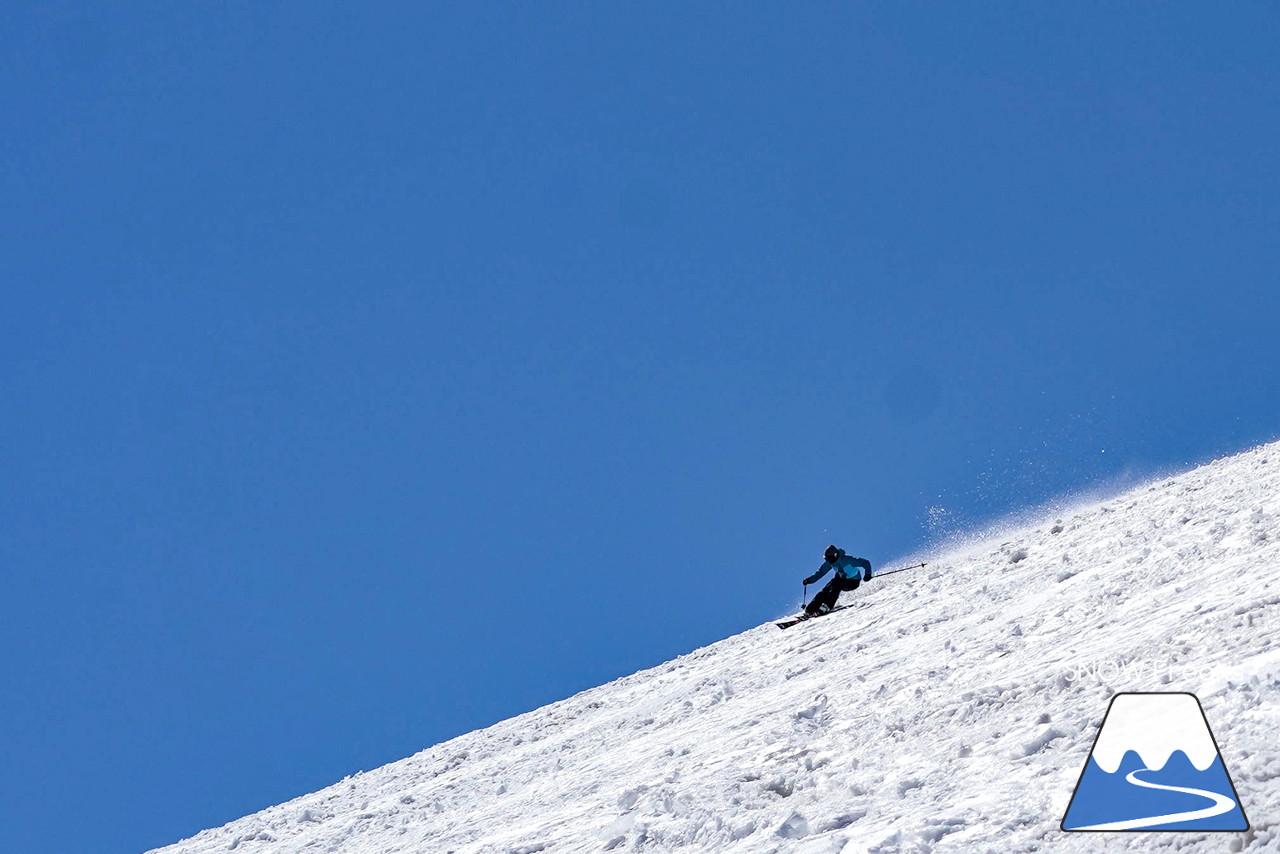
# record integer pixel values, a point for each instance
(804, 600)
(904, 569)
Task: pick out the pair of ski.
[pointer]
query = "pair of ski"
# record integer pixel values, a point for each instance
(791, 621)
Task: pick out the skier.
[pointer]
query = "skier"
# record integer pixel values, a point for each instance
(845, 579)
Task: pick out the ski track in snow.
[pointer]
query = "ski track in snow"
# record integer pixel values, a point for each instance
(1221, 804)
(952, 710)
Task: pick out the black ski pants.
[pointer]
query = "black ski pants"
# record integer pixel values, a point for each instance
(828, 595)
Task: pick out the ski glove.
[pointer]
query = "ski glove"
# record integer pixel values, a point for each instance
(810, 580)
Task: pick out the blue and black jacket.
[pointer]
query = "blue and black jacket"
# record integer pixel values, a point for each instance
(842, 565)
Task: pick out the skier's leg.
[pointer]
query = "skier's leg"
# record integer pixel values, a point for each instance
(841, 585)
(826, 598)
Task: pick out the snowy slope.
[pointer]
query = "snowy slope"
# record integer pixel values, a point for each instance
(953, 710)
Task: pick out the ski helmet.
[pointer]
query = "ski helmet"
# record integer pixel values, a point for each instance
(831, 553)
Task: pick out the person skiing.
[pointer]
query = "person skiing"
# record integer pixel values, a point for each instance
(847, 577)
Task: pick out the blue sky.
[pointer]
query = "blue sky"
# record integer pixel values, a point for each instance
(374, 373)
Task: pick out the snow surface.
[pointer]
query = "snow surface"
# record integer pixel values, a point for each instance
(952, 710)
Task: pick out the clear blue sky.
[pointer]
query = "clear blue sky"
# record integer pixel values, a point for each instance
(373, 373)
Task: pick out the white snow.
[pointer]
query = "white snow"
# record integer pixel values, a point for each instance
(952, 710)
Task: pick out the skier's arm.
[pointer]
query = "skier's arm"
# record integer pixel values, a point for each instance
(822, 570)
(864, 563)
